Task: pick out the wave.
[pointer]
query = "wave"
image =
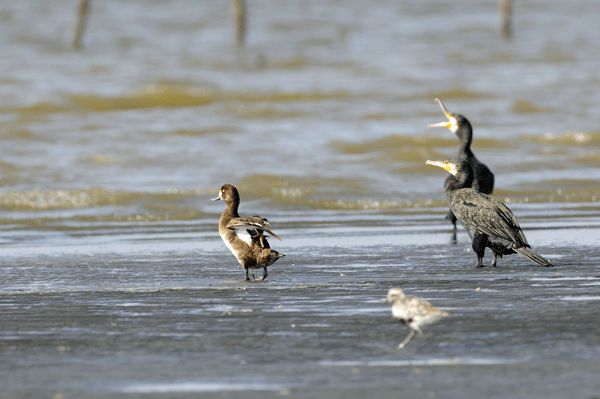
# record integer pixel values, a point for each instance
(568, 138)
(172, 95)
(37, 200)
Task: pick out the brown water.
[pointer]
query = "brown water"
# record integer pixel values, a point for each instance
(115, 280)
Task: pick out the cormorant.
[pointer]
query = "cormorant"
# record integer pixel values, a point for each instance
(488, 221)
(483, 180)
(245, 237)
(412, 311)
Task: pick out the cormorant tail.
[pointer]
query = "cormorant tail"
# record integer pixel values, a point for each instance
(537, 258)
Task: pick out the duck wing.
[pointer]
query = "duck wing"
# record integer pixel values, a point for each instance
(250, 228)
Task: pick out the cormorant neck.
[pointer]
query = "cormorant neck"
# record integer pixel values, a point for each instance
(461, 180)
(465, 134)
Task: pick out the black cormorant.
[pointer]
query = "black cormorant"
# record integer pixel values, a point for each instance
(483, 180)
(488, 221)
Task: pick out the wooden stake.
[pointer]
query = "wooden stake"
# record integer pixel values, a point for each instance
(239, 15)
(80, 26)
(506, 15)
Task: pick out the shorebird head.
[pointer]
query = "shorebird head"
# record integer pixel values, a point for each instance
(394, 294)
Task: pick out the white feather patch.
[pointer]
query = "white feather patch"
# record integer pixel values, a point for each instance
(242, 233)
(228, 245)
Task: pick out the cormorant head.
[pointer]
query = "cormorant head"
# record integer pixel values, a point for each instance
(459, 168)
(449, 166)
(457, 123)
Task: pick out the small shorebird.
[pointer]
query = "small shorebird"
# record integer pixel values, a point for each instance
(412, 311)
(245, 237)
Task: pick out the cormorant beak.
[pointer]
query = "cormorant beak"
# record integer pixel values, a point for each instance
(442, 124)
(446, 165)
(442, 106)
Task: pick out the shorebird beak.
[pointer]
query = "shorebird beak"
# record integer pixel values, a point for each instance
(442, 124)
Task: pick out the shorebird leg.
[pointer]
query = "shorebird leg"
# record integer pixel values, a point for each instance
(265, 274)
(403, 343)
(247, 277)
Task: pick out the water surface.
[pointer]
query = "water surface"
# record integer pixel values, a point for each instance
(114, 279)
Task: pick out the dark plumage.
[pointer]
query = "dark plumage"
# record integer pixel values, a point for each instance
(488, 221)
(483, 180)
(245, 237)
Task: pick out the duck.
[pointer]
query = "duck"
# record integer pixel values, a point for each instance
(245, 236)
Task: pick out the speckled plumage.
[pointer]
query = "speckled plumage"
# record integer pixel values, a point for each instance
(488, 221)
(483, 178)
(245, 237)
(412, 311)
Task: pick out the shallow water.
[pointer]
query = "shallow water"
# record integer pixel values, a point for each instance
(115, 281)
(166, 312)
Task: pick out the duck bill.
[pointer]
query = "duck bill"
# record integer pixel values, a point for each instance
(216, 199)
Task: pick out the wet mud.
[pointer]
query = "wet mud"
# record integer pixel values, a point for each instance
(184, 324)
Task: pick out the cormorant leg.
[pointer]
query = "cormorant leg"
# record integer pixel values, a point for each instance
(403, 343)
(479, 241)
(493, 264)
(450, 216)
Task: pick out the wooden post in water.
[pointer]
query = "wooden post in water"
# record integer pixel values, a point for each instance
(80, 25)
(506, 14)
(239, 15)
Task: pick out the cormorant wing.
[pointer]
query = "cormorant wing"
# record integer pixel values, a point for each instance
(483, 213)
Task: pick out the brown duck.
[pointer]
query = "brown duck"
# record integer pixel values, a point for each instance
(245, 237)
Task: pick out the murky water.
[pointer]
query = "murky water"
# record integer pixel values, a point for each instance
(114, 279)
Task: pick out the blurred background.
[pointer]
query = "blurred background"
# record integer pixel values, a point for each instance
(323, 105)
